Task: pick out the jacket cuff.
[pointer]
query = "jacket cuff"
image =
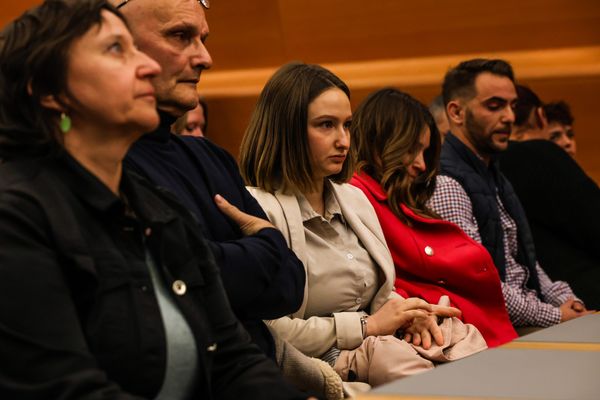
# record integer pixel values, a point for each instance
(348, 330)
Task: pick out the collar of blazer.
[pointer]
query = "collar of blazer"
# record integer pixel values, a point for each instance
(284, 212)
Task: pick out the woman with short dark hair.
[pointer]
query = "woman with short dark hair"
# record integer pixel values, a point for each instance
(108, 288)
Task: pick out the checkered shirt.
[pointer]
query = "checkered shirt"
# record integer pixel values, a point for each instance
(524, 306)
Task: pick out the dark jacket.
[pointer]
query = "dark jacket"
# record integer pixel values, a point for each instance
(79, 317)
(563, 208)
(262, 277)
(482, 184)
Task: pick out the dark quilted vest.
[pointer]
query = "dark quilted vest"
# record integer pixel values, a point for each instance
(481, 184)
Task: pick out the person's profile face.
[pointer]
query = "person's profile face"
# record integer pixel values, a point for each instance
(329, 118)
(489, 116)
(564, 136)
(415, 162)
(110, 79)
(172, 32)
(195, 122)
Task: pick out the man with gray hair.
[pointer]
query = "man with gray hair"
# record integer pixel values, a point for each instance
(262, 277)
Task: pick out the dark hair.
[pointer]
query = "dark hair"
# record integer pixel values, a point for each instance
(527, 101)
(460, 80)
(559, 112)
(386, 129)
(274, 153)
(33, 64)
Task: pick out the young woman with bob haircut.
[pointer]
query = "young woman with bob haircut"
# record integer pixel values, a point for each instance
(295, 156)
(397, 145)
(108, 288)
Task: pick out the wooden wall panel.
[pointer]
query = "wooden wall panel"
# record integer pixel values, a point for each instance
(265, 33)
(529, 64)
(11, 9)
(245, 34)
(345, 30)
(350, 30)
(228, 119)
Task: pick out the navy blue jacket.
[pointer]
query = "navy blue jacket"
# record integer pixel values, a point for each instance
(482, 184)
(262, 277)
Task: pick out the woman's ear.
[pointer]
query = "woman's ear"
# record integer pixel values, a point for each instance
(456, 112)
(50, 102)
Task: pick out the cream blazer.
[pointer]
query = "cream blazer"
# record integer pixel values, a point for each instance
(315, 335)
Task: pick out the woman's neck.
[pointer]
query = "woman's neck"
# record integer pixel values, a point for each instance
(316, 197)
(100, 153)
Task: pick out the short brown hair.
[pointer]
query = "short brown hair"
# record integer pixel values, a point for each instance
(33, 64)
(386, 127)
(274, 153)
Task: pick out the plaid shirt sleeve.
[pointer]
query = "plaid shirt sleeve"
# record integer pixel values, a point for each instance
(452, 203)
(524, 307)
(556, 292)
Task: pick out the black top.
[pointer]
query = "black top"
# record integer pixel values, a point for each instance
(79, 317)
(262, 277)
(563, 208)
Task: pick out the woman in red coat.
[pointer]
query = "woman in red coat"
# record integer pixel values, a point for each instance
(398, 148)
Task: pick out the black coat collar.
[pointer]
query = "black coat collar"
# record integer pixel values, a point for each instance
(97, 195)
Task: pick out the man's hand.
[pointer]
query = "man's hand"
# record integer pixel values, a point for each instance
(571, 309)
(249, 224)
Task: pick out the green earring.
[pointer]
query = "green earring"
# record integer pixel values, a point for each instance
(65, 123)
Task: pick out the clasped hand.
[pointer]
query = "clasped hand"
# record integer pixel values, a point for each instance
(414, 316)
(572, 308)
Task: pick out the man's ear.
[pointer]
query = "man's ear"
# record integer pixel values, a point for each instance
(455, 112)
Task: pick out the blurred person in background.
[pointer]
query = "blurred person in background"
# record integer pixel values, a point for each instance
(193, 122)
(560, 126)
(438, 110)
